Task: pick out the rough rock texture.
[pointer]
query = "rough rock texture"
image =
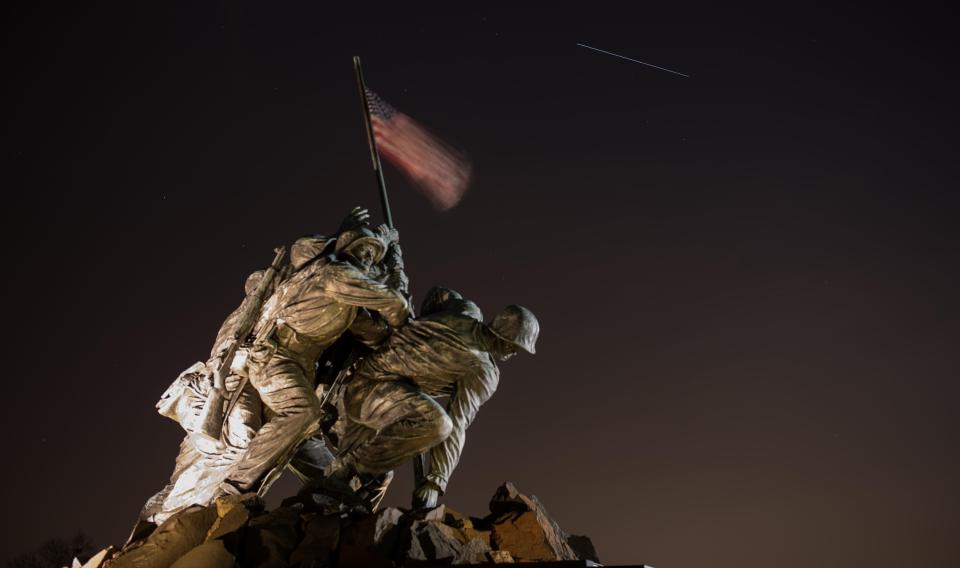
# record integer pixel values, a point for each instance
(321, 538)
(433, 540)
(473, 552)
(372, 541)
(175, 537)
(211, 554)
(232, 513)
(236, 531)
(501, 557)
(583, 546)
(270, 538)
(523, 527)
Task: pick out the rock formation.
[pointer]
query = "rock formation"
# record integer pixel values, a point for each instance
(238, 531)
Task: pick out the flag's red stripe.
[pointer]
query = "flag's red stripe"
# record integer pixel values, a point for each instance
(439, 171)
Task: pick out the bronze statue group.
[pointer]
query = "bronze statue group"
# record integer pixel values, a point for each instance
(325, 370)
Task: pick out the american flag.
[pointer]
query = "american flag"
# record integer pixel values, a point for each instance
(441, 172)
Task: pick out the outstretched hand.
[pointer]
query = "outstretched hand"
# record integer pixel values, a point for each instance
(357, 217)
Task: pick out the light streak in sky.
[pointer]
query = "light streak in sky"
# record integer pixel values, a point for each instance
(634, 60)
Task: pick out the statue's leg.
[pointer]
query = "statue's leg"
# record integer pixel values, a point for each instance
(283, 387)
(245, 419)
(187, 457)
(311, 459)
(403, 420)
(157, 508)
(374, 489)
(198, 483)
(176, 495)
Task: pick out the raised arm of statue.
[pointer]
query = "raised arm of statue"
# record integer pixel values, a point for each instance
(350, 286)
(393, 267)
(357, 217)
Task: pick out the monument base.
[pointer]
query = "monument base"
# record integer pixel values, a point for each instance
(305, 532)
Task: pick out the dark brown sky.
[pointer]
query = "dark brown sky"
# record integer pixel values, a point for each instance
(746, 279)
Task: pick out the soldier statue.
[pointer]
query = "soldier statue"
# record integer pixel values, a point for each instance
(307, 313)
(389, 408)
(204, 461)
(351, 285)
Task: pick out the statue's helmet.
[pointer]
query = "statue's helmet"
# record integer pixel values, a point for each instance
(353, 238)
(517, 325)
(439, 299)
(252, 282)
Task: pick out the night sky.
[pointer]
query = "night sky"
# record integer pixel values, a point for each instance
(746, 279)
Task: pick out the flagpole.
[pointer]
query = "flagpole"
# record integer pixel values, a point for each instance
(372, 142)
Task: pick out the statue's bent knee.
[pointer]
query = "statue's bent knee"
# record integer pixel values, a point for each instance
(311, 411)
(443, 426)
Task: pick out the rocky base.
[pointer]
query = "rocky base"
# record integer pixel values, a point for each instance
(237, 531)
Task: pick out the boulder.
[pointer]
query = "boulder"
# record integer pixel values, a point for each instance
(583, 547)
(174, 538)
(522, 526)
(473, 552)
(433, 540)
(501, 557)
(473, 534)
(459, 520)
(233, 512)
(372, 541)
(438, 513)
(507, 499)
(270, 538)
(210, 554)
(235, 531)
(321, 540)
